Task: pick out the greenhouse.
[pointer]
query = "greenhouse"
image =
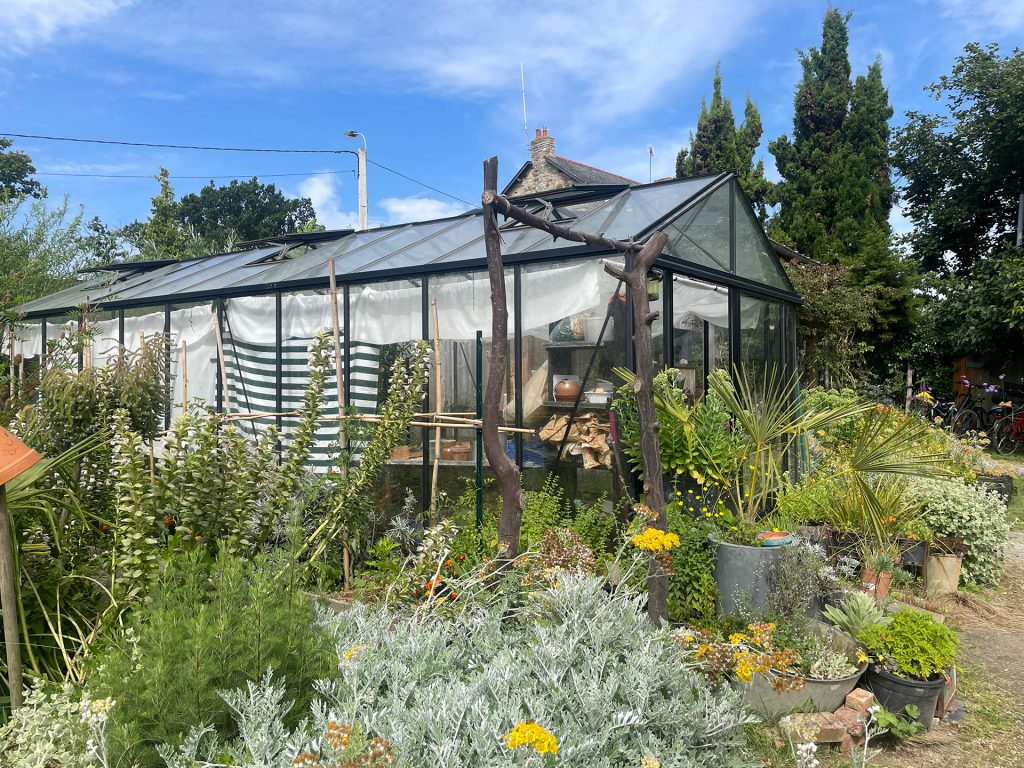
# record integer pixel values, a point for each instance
(240, 324)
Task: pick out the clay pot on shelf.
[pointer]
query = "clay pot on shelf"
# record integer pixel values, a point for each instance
(456, 451)
(567, 390)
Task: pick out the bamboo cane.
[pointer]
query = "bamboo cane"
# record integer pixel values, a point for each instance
(222, 366)
(437, 430)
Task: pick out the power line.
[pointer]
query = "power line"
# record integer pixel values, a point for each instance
(422, 184)
(180, 146)
(232, 149)
(151, 176)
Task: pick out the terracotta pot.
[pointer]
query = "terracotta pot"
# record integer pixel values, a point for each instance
(567, 390)
(876, 583)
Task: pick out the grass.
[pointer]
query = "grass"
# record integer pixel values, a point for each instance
(986, 708)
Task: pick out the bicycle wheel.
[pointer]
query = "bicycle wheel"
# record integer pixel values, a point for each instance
(965, 421)
(1002, 436)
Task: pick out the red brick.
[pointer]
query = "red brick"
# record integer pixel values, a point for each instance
(825, 726)
(852, 720)
(859, 700)
(846, 744)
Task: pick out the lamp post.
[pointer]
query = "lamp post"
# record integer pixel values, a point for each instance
(361, 173)
(15, 458)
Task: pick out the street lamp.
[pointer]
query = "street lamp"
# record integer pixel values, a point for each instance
(361, 175)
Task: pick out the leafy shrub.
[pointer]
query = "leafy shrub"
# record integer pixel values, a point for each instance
(821, 399)
(954, 508)
(207, 627)
(692, 591)
(445, 690)
(48, 730)
(912, 645)
(695, 442)
(855, 613)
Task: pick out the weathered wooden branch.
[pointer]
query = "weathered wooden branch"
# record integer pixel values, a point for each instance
(636, 280)
(512, 497)
(502, 205)
(654, 493)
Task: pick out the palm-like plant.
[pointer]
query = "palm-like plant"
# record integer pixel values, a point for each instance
(770, 420)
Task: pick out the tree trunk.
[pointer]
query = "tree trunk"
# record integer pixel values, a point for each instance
(654, 493)
(9, 601)
(512, 498)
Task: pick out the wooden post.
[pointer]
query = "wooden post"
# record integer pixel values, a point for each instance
(654, 492)
(910, 389)
(340, 384)
(512, 498)
(8, 597)
(223, 368)
(437, 409)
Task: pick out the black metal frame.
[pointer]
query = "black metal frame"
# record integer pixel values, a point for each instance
(737, 286)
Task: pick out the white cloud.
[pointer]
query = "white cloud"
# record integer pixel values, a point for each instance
(325, 194)
(99, 168)
(982, 16)
(588, 62)
(27, 23)
(404, 209)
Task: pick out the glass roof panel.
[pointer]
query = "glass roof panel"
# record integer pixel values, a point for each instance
(317, 259)
(701, 235)
(755, 257)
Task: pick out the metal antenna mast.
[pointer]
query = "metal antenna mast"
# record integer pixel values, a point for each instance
(522, 79)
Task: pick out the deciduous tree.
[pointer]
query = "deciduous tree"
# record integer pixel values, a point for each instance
(963, 168)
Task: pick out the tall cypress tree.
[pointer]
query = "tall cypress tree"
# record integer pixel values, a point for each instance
(836, 192)
(720, 145)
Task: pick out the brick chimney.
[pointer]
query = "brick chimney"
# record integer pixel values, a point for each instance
(542, 146)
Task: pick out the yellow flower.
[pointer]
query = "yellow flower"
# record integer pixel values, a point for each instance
(655, 540)
(736, 638)
(529, 734)
(862, 658)
(352, 652)
(649, 761)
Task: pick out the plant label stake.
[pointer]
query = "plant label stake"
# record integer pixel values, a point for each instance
(15, 458)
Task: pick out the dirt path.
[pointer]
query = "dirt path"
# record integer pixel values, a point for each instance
(992, 657)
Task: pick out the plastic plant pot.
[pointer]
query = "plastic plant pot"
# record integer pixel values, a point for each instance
(774, 538)
(895, 693)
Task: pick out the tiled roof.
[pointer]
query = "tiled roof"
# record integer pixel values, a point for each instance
(581, 173)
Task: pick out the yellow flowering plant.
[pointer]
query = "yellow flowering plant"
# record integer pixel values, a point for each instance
(530, 734)
(742, 655)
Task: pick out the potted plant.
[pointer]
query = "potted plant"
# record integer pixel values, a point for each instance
(768, 421)
(942, 568)
(774, 677)
(877, 569)
(911, 658)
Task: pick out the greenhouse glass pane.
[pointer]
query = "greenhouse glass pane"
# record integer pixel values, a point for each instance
(193, 345)
(701, 235)
(755, 257)
(761, 338)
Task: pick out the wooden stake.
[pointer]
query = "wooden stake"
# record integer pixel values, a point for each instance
(437, 430)
(342, 424)
(223, 367)
(9, 600)
(11, 359)
(152, 464)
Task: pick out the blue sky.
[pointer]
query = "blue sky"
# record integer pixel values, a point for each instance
(434, 86)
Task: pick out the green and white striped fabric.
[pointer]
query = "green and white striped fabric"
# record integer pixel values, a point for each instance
(252, 378)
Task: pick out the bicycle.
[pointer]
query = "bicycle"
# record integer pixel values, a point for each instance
(1008, 429)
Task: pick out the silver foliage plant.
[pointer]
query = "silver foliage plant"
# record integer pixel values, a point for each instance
(445, 688)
